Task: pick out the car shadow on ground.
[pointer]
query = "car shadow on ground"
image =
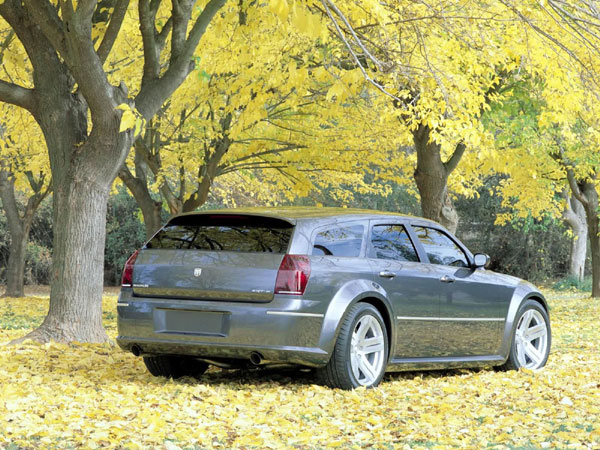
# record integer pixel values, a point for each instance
(295, 376)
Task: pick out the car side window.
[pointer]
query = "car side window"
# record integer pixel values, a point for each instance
(339, 240)
(440, 248)
(392, 242)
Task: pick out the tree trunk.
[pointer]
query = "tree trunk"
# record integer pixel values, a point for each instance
(575, 217)
(18, 229)
(585, 192)
(595, 250)
(83, 170)
(593, 230)
(431, 177)
(151, 209)
(15, 272)
(75, 312)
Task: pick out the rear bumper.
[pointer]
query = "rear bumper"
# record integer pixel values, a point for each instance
(285, 330)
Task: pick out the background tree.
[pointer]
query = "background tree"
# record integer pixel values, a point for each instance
(281, 120)
(24, 184)
(73, 91)
(441, 64)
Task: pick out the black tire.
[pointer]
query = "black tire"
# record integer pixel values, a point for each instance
(171, 366)
(513, 363)
(338, 372)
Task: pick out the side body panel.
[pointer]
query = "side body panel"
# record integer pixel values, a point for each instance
(471, 311)
(414, 296)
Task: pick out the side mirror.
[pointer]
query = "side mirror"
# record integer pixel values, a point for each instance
(480, 260)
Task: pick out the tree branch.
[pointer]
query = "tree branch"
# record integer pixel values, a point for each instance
(112, 31)
(85, 10)
(182, 10)
(199, 29)
(577, 193)
(155, 91)
(451, 164)
(46, 17)
(151, 51)
(327, 5)
(16, 95)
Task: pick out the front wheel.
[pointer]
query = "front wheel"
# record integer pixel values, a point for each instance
(360, 354)
(531, 338)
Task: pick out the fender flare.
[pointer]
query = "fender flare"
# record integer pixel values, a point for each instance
(522, 293)
(348, 295)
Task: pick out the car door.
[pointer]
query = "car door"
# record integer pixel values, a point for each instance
(472, 304)
(412, 287)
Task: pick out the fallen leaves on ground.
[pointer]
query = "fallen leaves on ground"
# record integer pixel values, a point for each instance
(90, 396)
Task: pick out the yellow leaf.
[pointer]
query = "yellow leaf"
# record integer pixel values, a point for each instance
(128, 120)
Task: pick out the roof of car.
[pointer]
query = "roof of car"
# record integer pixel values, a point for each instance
(294, 213)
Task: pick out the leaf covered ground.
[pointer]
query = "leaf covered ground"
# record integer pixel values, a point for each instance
(89, 396)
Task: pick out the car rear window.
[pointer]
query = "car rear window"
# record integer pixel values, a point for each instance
(227, 233)
(339, 241)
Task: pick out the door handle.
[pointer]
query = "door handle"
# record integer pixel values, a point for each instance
(447, 279)
(386, 274)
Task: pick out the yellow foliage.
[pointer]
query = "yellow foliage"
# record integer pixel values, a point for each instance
(91, 396)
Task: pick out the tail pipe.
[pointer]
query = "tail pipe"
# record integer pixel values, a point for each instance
(136, 350)
(256, 358)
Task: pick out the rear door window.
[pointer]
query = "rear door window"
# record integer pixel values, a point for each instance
(224, 233)
(339, 240)
(440, 248)
(392, 242)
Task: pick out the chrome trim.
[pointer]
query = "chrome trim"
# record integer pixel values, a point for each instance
(295, 314)
(454, 319)
(122, 304)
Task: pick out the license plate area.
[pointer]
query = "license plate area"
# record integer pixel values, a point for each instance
(191, 322)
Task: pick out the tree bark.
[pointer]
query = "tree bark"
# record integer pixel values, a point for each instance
(15, 272)
(595, 250)
(75, 312)
(18, 228)
(585, 192)
(151, 209)
(431, 177)
(575, 217)
(82, 178)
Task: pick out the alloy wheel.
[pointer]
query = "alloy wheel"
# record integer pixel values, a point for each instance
(367, 351)
(531, 340)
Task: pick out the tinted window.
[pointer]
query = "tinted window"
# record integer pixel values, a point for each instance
(339, 241)
(392, 242)
(224, 233)
(440, 248)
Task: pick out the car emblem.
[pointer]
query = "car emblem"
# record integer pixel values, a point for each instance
(197, 271)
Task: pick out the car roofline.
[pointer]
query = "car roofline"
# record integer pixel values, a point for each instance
(294, 214)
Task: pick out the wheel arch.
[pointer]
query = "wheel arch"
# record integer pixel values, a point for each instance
(348, 295)
(524, 292)
(538, 297)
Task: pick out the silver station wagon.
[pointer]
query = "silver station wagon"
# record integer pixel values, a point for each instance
(350, 293)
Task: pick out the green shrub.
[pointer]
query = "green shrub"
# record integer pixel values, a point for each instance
(573, 284)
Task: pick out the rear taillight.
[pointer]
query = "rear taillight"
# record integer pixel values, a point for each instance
(293, 275)
(127, 278)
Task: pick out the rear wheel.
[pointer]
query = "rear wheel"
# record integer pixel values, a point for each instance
(360, 354)
(531, 338)
(171, 366)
